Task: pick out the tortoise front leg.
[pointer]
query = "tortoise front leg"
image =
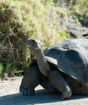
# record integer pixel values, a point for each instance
(60, 84)
(31, 79)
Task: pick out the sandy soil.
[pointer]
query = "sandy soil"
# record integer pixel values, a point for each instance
(9, 95)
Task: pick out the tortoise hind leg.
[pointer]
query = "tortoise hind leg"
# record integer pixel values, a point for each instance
(46, 84)
(60, 84)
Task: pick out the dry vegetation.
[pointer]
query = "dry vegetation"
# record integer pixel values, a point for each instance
(38, 19)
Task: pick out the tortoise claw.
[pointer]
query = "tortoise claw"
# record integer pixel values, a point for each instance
(66, 94)
(27, 92)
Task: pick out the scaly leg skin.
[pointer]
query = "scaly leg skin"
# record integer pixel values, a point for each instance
(46, 84)
(60, 84)
(31, 79)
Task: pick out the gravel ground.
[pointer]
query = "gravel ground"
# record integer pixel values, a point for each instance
(9, 95)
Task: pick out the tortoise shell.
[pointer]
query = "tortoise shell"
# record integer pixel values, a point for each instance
(70, 57)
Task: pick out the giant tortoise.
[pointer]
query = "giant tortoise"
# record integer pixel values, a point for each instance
(61, 68)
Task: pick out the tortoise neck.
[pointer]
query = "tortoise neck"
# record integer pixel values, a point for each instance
(42, 63)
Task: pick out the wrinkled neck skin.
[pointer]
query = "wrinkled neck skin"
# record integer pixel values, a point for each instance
(42, 62)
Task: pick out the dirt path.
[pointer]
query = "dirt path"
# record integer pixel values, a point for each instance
(9, 95)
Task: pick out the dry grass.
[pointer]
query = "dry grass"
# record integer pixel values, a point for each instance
(20, 19)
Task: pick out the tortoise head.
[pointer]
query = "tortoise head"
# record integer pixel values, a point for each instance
(33, 45)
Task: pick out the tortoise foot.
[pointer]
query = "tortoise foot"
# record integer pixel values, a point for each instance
(67, 93)
(27, 92)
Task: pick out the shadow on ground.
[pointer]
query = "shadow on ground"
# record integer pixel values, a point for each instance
(42, 98)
